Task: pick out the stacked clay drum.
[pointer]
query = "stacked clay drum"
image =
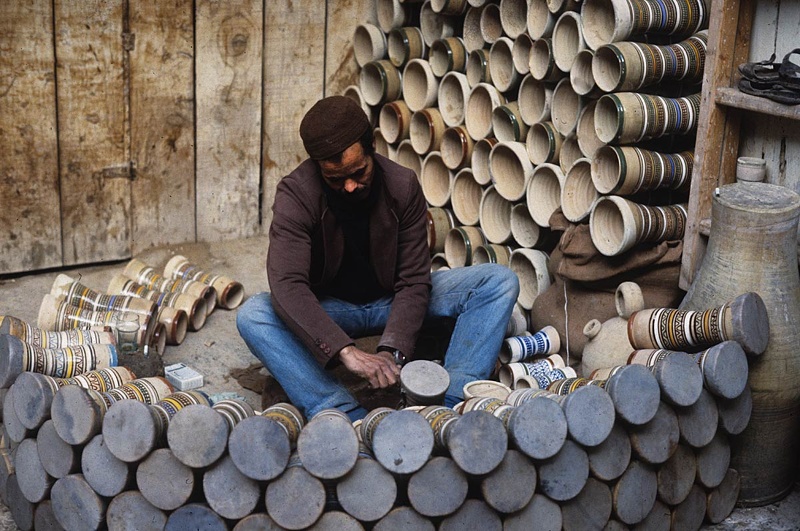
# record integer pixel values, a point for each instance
(509, 110)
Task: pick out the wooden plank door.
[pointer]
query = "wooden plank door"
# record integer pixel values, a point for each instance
(162, 122)
(30, 231)
(229, 40)
(93, 137)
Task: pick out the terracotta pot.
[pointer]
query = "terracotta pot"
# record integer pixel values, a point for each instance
(514, 17)
(567, 39)
(521, 54)
(354, 93)
(534, 100)
(565, 107)
(585, 132)
(540, 20)
(627, 170)
(617, 224)
(492, 253)
(435, 25)
(440, 221)
(507, 123)
(495, 216)
(380, 81)
(450, 7)
(473, 38)
(395, 121)
(626, 66)
(448, 55)
(543, 143)
(483, 98)
(608, 344)
(369, 44)
(581, 75)
(501, 64)
(607, 21)
(491, 27)
(525, 231)
(570, 152)
(511, 169)
(382, 146)
(466, 198)
(393, 14)
(543, 194)
(420, 86)
(427, 129)
(628, 117)
(542, 64)
(751, 169)
(578, 194)
(752, 246)
(530, 265)
(456, 147)
(453, 93)
(460, 244)
(480, 160)
(478, 67)
(437, 180)
(405, 44)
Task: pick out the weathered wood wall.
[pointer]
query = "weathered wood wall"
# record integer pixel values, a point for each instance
(777, 140)
(126, 124)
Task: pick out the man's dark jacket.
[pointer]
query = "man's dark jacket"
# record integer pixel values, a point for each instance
(306, 247)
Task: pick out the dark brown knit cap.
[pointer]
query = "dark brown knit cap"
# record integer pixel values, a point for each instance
(332, 125)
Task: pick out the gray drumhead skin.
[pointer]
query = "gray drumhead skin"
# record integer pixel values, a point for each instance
(538, 427)
(228, 492)
(689, 514)
(473, 514)
(336, 521)
(257, 522)
(734, 414)
(106, 474)
(590, 415)
(195, 516)
(750, 323)
(272, 441)
(405, 518)
(658, 519)
(680, 379)
(655, 441)
(197, 435)
(33, 397)
(713, 460)
(58, 457)
(34, 481)
(540, 513)
(698, 422)
(11, 357)
(635, 493)
(76, 416)
(510, 487)
(21, 509)
(721, 500)
(635, 393)
(14, 428)
(130, 511)
(609, 459)
(403, 442)
(438, 488)
(368, 492)
(130, 430)
(725, 369)
(76, 505)
(677, 475)
(564, 475)
(328, 447)
(164, 481)
(424, 382)
(596, 496)
(477, 442)
(44, 519)
(296, 499)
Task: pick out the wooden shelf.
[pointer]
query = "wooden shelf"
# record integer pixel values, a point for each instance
(731, 97)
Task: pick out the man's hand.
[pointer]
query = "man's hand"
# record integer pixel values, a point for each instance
(379, 369)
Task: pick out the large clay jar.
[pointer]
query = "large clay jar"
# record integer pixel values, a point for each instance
(608, 344)
(752, 246)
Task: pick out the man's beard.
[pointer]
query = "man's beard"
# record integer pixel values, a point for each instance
(357, 197)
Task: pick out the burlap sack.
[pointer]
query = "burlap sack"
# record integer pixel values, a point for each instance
(591, 279)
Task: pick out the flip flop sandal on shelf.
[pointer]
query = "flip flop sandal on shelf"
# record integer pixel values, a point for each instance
(762, 71)
(772, 91)
(789, 72)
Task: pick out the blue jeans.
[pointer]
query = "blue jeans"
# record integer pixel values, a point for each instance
(479, 297)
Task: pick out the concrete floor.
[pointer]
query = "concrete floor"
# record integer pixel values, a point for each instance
(217, 348)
